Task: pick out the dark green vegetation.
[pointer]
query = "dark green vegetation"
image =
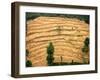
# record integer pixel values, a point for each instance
(86, 45)
(50, 52)
(28, 63)
(85, 48)
(30, 15)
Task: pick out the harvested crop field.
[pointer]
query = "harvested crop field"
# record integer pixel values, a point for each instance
(66, 34)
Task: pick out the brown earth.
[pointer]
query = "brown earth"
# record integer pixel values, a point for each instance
(66, 34)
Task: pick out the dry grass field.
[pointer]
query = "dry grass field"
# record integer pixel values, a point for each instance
(66, 34)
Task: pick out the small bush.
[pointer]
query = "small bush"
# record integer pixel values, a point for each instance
(28, 63)
(86, 45)
(86, 42)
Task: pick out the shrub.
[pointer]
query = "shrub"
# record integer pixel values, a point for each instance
(86, 42)
(86, 45)
(28, 63)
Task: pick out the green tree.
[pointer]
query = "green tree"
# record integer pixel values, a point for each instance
(86, 45)
(86, 42)
(85, 48)
(50, 52)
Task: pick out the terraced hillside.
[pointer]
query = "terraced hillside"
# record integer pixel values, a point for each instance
(66, 34)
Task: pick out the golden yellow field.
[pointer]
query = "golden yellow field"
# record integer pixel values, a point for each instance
(66, 34)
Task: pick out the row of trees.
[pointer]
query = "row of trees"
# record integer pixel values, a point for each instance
(30, 15)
